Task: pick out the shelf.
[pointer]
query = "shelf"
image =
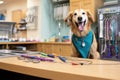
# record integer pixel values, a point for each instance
(21, 29)
(22, 23)
(60, 2)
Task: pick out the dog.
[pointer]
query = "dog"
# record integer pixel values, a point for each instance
(84, 43)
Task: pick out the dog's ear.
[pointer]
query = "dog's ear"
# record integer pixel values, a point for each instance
(90, 16)
(68, 19)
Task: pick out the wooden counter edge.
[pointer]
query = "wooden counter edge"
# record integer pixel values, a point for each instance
(4, 43)
(45, 73)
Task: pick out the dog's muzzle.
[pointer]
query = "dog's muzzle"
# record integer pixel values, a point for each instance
(81, 25)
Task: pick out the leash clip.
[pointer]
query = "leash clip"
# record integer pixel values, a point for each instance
(83, 44)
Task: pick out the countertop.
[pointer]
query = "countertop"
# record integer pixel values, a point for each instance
(35, 43)
(98, 70)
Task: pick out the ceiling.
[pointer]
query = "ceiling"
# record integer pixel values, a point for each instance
(7, 1)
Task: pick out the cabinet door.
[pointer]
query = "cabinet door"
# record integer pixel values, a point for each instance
(16, 15)
(88, 5)
(39, 47)
(47, 48)
(75, 5)
(91, 5)
(66, 50)
(83, 4)
(56, 49)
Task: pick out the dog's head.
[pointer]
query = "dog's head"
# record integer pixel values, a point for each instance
(80, 21)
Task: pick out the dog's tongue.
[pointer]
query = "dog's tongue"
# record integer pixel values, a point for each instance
(81, 27)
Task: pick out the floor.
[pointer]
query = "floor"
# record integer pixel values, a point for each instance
(7, 75)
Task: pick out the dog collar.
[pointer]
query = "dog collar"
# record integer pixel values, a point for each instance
(83, 44)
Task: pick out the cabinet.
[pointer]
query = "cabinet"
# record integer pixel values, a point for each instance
(56, 48)
(17, 16)
(90, 5)
(59, 49)
(66, 50)
(32, 46)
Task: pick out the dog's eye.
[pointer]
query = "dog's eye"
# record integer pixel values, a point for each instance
(83, 13)
(75, 14)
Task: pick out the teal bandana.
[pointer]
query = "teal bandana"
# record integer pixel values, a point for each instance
(83, 44)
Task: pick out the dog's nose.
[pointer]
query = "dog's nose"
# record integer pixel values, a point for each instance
(79, 18)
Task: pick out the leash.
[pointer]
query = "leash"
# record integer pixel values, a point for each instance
(109, 39)
(106, 49)
(52, 58)
(105, 30)
(113, 26)
(114, 29)
(116, 37)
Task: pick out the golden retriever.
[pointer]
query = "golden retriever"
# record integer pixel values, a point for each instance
(80, 22)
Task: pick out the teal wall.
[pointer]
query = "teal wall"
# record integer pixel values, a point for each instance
(49, 26)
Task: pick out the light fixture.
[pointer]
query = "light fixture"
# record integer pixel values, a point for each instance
(1, 2)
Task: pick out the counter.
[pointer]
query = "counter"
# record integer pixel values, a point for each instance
(34, 43)
(98, 70)
(59, 48)
(7, 44)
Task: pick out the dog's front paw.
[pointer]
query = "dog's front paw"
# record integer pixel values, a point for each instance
(96, 55)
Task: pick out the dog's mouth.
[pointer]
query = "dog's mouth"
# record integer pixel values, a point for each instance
(81, 25)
